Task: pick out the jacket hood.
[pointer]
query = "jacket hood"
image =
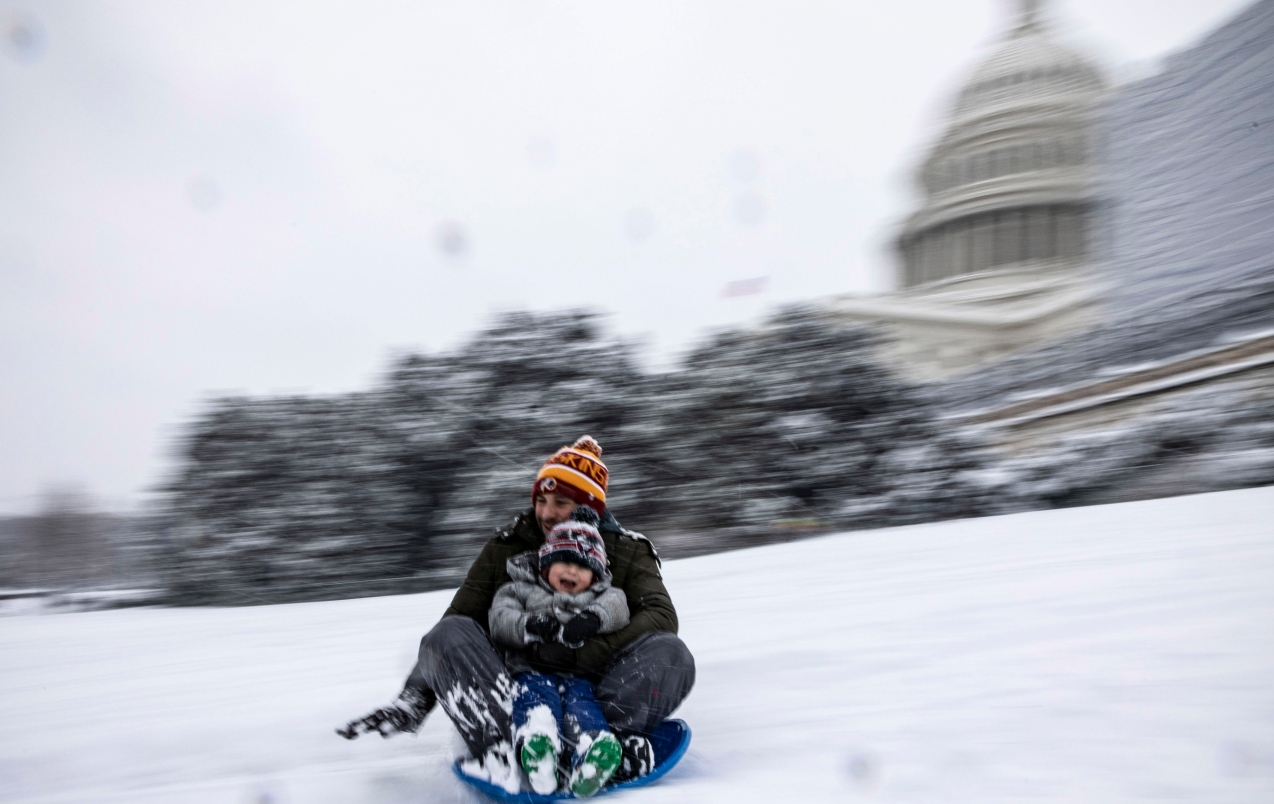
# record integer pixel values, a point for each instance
(609, 524)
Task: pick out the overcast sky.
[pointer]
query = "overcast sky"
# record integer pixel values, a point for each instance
(208, 197)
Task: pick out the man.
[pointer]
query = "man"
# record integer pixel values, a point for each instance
(641, 672)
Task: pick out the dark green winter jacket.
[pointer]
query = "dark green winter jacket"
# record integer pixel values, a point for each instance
(633, 563)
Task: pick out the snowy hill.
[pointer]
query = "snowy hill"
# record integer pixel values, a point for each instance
(1116, 653)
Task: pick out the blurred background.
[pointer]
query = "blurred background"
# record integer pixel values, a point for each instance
(296, 297)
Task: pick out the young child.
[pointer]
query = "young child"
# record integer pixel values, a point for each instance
(562, 594)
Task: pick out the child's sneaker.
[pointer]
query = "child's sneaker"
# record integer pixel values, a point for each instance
(599, 763)
(539, 760)
(638, 760)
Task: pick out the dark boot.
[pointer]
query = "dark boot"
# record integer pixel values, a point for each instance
(403, 716)
(638, 759)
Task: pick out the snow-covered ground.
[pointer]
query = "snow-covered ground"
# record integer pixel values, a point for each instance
(1115, 653)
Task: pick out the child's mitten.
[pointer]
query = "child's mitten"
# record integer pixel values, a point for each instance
(581, 628)
(542, 626)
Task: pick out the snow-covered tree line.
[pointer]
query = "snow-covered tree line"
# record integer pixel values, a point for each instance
(759, 434)
(68, 543)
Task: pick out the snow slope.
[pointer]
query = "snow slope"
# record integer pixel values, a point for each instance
(1115, 653)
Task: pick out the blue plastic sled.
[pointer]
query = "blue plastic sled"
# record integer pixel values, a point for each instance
(669, 742)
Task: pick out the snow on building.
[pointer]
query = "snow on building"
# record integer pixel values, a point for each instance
(1090, 277)
(1185, 231)
(1185, 242)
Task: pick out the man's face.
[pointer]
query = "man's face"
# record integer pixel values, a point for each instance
(552, 509)
(569, 578)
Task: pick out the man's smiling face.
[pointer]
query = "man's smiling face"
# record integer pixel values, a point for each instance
(552, 509)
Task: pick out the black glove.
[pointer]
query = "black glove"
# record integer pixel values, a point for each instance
(581, 628)
(552, 657)
(404, 715)
(543, 626)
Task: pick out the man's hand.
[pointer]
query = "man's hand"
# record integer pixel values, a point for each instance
(404, 715)
(553, 657)
(580, 628)
(543, 626)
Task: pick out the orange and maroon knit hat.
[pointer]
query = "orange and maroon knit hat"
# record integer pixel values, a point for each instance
(576, 471)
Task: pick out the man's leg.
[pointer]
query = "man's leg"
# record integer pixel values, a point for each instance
(458, 662)
(645, 681)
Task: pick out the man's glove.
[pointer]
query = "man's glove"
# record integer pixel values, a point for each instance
(553, 657)
(581, 628)
(405, 714)
(543, 626)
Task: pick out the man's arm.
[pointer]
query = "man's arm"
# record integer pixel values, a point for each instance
(649, 602)
(486, 575)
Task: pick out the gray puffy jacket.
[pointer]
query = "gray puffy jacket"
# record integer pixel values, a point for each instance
(528, 594)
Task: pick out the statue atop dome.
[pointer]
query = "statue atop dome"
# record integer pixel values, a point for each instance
(1029, 17)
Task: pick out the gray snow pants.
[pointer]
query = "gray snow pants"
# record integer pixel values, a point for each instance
(640, 686)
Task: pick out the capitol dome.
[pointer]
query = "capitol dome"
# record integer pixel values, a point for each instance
(1009, 186)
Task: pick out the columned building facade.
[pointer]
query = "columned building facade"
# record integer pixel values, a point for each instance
(998, 256)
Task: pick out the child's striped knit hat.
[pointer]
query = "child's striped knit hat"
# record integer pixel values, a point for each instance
(576, 471)
(575, 541)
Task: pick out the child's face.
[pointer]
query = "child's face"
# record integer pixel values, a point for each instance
(570, 579)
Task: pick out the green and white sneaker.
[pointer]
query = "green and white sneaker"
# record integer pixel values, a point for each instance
(599, 764)
(539, 760)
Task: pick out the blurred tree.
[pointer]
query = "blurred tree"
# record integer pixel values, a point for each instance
(68, 539)
(394, 490)
(797, 422)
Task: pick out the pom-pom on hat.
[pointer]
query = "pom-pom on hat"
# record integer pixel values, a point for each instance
(576, 471)
(575, 541)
